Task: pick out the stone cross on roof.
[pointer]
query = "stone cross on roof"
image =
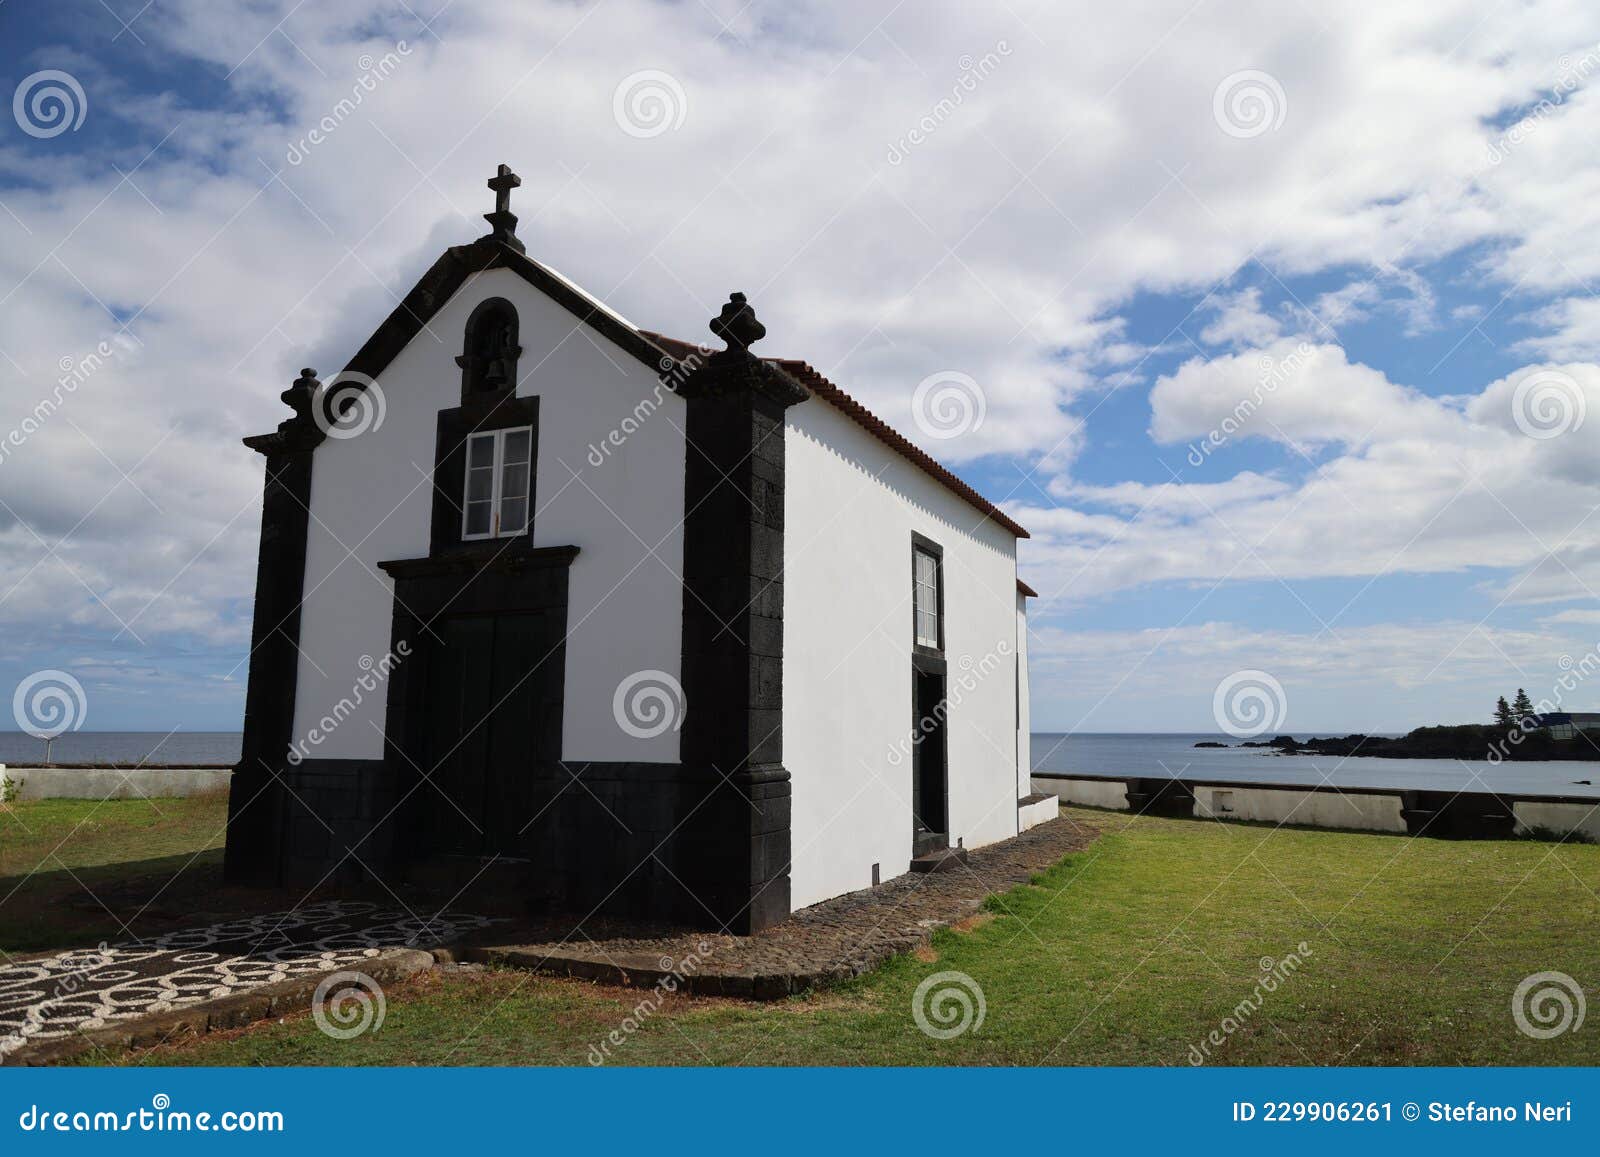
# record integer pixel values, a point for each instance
(503, 219)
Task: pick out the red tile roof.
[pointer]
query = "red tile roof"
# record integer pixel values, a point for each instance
(807, 375)
(1025, 590)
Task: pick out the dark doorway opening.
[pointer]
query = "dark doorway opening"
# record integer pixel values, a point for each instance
(929, 777)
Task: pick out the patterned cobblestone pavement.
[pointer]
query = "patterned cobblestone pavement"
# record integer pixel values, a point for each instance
(86, 989)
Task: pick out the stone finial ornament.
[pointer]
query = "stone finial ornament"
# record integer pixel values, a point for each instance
(736, 371)
(737, 324)
(300, 396)
(300, 430)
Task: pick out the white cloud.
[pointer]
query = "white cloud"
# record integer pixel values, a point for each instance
(1505, 479)
(1573, 617)
(1241, 321)
(1388, 677)
(1294, 393)
(1079, 173)
(1572, 329)
(1189, 500)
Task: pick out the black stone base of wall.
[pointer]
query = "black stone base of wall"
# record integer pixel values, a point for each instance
(666, 842)
(640, 840)
(339, 822)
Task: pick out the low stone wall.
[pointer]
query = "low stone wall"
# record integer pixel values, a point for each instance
(1481, 815)
(1106, 793)
(1559, 816)
(1362, 811)
(114, 783)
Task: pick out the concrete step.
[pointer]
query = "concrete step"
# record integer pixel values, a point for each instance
(940, 860)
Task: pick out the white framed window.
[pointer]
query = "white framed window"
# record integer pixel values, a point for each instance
(925, 595)
(499, 473)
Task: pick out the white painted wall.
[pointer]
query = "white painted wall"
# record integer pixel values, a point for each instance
(1041, 811)
(371, 501)
(851, 506)
(1024, 734)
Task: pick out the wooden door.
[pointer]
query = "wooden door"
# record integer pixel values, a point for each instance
(480, 729)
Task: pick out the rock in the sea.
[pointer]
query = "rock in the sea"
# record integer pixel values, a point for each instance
(1210, 743)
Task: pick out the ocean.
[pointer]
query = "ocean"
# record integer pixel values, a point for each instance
(1176, 756)
(180, 747)
(1171, 755)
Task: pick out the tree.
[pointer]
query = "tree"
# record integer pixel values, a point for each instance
(1502, 713)
(1522, 706)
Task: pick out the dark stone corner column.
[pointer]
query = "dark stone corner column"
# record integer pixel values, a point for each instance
(733, 851)
(256, 812)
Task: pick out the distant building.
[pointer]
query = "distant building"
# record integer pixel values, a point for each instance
(1566, 724)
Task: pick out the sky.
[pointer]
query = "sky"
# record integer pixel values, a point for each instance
(1274, 323)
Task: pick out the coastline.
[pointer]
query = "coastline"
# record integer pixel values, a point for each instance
(1173, 755)
(1465, 742)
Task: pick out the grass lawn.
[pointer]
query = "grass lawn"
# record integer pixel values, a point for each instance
(1130, 952)
(65, 865)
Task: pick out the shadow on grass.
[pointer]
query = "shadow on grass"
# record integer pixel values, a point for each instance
(66, 908)
(69, 908)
